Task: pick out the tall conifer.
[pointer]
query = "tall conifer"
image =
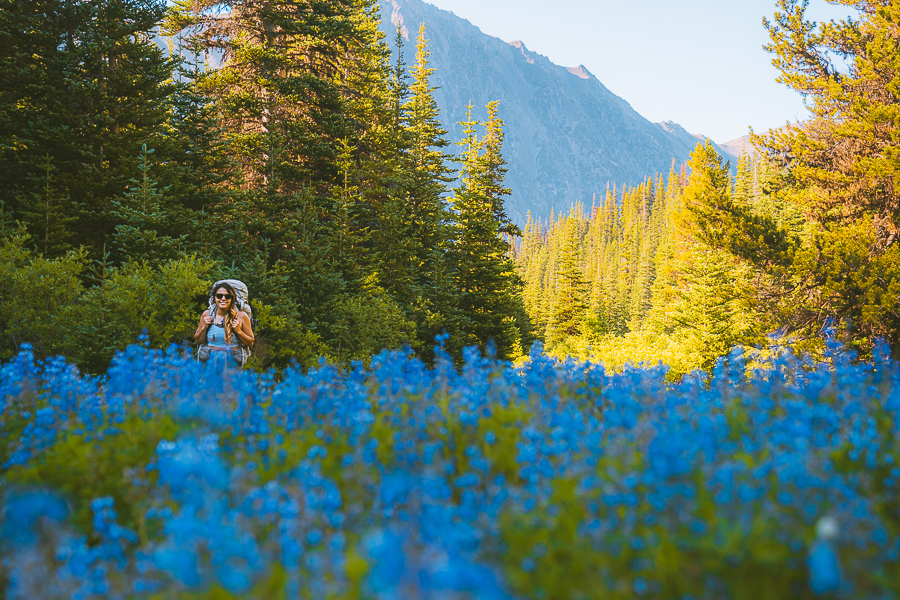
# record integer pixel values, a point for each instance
(569, 307)
(146, 219)
(427, 166)
(436, 305)
(485, 274)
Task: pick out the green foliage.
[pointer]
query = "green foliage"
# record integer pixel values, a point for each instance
(271, 587)
(46, 304)
(484, 271)
(145, 218)
(48, 215)
(491, 173)
(731, 222)
(822, 230)
(281, 105)
(412, 241)
(85, 466)
(425, 164)
(859, 287)
(36, 296)
(845, 156)
(304, 163)
(505, 423)
(164, 302)
(709, 311)
(282, 339)
(569, 305)
(367, 323)
(81, 87)
(562, 563)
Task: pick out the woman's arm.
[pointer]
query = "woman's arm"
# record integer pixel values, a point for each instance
(200, 334)
(244, 330)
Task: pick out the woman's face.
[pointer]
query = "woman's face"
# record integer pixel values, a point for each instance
(223, 299)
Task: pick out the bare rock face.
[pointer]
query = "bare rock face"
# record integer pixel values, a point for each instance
(567, 136)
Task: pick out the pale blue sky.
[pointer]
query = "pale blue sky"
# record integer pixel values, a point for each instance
(699, 63)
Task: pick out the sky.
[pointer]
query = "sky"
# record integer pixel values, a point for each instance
(699, 63)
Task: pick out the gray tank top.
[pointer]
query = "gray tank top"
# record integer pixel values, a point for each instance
(215, 336)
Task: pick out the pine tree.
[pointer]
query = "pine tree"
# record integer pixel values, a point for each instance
(530, 258)
(7, 228)
(634, 281)
(146, 219)
(639, 300)
(198, 170)
(48, 215)
(846, 151)
(396, 251)
(485, 275)
(569, 307)
(666, 259)
(493, 170)
(839, 171)
(436, 308)
(303, 98)
(710, 310)
(348, 237)
(612, 317)
(374, 92)
(278, 84)
(743, 185)
(427, 160)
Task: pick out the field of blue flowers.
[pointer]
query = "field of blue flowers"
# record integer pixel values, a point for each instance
(164, 479)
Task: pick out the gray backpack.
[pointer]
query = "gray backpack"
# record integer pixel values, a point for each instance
(241, 353)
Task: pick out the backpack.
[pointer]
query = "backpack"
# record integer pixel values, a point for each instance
(241, 353)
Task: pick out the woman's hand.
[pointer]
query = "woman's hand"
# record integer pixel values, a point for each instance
(243, 329)
(202, 328)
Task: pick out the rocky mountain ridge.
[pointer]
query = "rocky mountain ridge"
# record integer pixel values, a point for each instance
(567, 136)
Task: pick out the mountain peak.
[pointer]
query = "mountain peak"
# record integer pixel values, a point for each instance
(397, 19)
(580, 71)
(676, 129)
(520, 46)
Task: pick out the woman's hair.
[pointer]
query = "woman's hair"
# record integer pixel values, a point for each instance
(232, 308)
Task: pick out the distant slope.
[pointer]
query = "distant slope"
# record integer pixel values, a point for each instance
(567, 136)
(680, 137)
(740, 146)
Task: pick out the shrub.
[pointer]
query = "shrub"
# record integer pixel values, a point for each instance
(366, 324)
(35, 293)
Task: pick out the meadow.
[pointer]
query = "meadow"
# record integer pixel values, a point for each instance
(550, 480)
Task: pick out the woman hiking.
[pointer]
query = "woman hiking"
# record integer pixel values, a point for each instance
(223, 329)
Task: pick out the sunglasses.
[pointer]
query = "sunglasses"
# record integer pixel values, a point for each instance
(224, 296)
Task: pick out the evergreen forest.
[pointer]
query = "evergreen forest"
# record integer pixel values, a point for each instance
(274, 142)
(630, 279)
